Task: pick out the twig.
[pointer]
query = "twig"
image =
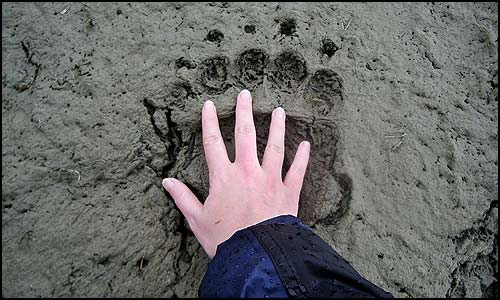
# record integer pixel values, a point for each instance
(345, 27)
(395, 136)
(401, 136)
(65, 10)
(397, 145)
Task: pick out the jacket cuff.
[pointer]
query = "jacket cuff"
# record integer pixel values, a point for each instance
(241, 267)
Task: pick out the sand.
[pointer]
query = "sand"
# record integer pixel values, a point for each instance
(102, 101)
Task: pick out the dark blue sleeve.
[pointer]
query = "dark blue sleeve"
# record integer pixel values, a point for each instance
(282, 257)
(242, 268)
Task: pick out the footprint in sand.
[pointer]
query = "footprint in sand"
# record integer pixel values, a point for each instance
(326, 193)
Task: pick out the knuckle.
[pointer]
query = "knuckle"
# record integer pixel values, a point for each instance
(211, 139)
(248, 168)
(214, 177)
(243, 107)
(275, 148)
(294, 182)
(245, 129)
(180, 195)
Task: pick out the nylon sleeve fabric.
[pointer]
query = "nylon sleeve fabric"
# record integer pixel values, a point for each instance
(282, 257)
(309, 267)
(241, 268)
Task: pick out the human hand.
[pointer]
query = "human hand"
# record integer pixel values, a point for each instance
(242, 193)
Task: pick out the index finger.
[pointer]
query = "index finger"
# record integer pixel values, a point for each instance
(215, 150)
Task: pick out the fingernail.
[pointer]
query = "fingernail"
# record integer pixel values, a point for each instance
(245, 94)
(209, 105)
(168, 183)
(280, 112)
(307, 145)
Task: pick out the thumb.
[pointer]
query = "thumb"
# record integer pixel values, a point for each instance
(185, 200)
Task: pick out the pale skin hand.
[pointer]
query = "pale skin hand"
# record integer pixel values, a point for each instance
(242, 193)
